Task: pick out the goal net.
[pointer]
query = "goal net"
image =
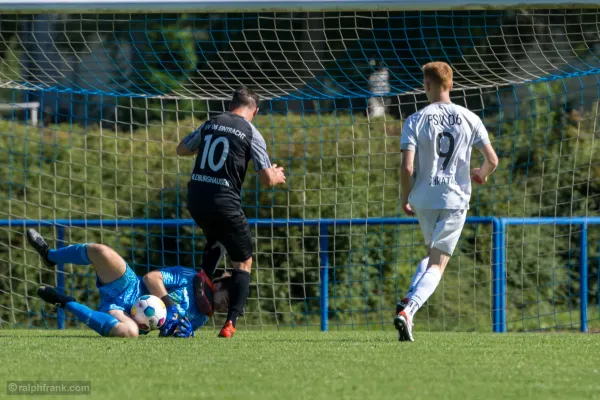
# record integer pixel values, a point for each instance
(115, 93)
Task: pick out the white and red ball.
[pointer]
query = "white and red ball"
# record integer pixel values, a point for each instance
(149, 312)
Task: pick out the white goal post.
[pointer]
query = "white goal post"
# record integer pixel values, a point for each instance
(207, 6)
(32, 106)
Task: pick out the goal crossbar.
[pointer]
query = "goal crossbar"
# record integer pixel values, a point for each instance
(208, 6)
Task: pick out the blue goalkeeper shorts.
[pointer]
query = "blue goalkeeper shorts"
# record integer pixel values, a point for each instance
(121, 293)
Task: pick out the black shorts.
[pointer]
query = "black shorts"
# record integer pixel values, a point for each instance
(230, 228)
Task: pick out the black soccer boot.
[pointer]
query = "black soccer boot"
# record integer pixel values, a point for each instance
(39, 244)
(51, 296)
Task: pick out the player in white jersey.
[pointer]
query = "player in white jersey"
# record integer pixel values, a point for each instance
(436, 182)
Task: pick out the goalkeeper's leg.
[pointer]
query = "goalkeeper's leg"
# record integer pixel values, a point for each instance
(109, 267)
(108, 264)
(113, 323)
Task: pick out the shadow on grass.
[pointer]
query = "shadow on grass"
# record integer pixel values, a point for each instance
(328, 340)
(51, 335)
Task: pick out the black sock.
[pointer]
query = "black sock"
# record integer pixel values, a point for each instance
(213, 254)
(239, 294)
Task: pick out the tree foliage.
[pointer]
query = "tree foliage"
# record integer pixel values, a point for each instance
(340, 167)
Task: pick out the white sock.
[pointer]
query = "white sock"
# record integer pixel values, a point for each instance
(421, 268)
(425, 288)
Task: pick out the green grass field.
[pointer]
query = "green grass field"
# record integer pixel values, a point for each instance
(309, 365)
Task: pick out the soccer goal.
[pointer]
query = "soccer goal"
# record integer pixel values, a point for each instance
(119, 84)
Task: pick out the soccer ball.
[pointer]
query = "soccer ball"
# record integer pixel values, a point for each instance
(149, 312)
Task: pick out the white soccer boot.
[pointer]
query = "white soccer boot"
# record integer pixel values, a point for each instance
(404, 325)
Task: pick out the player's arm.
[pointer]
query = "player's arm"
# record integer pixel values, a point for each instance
(156, 286)
(269, 175)
(490, 162)
(183, 151)
(490, 159)
(156, 283)
(406, 178)
(190, 144)
(408, 145)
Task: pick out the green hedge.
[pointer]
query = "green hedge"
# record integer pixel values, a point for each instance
(338, 166)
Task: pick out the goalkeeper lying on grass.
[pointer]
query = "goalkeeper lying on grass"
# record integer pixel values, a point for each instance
(190, 297)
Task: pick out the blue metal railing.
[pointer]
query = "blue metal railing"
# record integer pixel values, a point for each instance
(499, 231)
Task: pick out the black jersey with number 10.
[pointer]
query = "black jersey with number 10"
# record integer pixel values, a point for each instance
(225, 145)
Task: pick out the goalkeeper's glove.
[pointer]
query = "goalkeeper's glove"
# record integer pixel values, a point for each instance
(184, 329)
(168, 328)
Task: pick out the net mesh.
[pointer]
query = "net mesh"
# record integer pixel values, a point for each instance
(95, 159)
(291, 55)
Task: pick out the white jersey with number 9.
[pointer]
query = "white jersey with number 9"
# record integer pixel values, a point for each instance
(442, 134)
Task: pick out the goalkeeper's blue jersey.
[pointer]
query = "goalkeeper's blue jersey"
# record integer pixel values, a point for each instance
(179, 282)
(122, 293)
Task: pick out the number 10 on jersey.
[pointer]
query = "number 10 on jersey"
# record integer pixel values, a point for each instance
(209, 152)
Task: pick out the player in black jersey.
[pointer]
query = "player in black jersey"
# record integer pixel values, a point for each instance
(224, 145)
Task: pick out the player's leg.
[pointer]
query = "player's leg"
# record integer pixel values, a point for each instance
(114, 323)
(227, 231)
(108, 264)
(419, 271)
(238, 295)
(427, 221)
(214, 251)
(118, 295)
(103, 323)
(237, 239)
(445, 237)
(109, 267)
(111, 320)
(126, 327)
(438, 259)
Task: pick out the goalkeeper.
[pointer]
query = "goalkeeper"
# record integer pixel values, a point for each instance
(190, 296)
